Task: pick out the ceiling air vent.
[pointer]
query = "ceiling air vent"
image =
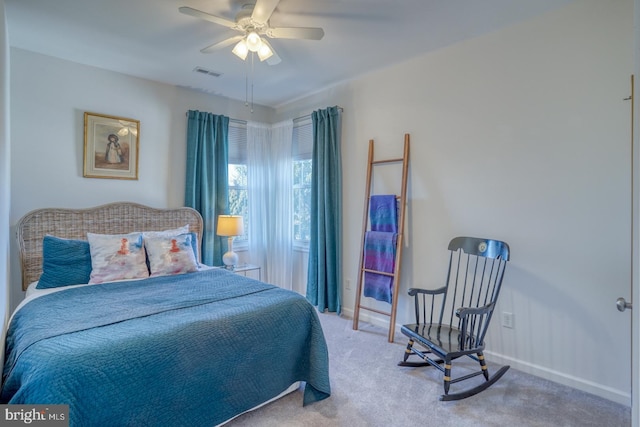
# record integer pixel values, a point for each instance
(205, 71)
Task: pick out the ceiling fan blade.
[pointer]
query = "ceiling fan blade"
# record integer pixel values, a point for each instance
(207, 16)
(222, 44)
(296, 33)
(273, 59)
(263, 9)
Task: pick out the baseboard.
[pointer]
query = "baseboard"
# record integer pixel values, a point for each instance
(369, 317)
(562, 378)
(529, 368)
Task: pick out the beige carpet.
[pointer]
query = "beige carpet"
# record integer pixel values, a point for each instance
(369, 389)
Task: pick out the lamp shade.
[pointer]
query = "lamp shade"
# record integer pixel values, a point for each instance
(264, 52)
(241, 50)
(253, 41)
(230, 225)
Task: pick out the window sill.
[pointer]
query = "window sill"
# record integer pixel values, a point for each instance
(301, 247)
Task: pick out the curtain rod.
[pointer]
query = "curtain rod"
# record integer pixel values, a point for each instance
(230, 119)
(308, 116)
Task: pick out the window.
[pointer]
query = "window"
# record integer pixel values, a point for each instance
(302, 168)
(238, 200)
(302, 147)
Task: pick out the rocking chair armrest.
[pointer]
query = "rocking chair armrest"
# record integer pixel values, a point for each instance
(473, 323)
(416, 291)
(469, 311)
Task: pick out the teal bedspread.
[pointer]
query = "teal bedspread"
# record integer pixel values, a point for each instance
(189, 350)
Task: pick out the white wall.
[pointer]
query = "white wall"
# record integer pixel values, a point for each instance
(5, 188)
(520, 135)
(49, 98)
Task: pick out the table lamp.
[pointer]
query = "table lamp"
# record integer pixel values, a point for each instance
(230, 226)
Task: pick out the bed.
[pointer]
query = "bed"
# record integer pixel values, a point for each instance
(191, 349)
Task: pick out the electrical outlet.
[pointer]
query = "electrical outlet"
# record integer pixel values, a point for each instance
(507, 320)
(347, 284)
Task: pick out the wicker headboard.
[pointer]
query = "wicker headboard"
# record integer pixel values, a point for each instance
(114, 218)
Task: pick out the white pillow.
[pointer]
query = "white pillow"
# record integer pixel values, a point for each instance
(170, 255)
(117, 257)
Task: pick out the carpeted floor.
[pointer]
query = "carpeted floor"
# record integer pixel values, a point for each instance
(369, 389)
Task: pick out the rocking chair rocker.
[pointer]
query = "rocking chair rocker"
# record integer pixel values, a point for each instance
(459, 312)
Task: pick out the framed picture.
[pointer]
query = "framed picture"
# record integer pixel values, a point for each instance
(110, 146)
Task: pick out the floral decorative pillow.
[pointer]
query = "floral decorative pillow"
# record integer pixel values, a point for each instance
(117, 257)
(171, 255)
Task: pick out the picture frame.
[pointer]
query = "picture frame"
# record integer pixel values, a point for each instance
(111, 146)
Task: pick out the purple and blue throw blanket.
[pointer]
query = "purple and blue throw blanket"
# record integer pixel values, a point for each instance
(379, 255)
(383, 213)
(188, 350)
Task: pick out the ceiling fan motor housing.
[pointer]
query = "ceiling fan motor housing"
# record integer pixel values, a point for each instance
(245, 23)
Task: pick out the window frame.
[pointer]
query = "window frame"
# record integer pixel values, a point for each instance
(302, 149)
(238, 157)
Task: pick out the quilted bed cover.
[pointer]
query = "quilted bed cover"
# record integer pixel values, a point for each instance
(189, 350)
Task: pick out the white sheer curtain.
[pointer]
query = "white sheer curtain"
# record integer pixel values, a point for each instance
(270, 186)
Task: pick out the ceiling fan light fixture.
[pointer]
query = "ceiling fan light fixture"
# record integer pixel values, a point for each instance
(264, 52)
(241, 50)
(254, 41)
(253, 22)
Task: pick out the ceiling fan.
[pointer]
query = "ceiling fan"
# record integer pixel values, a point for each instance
(253, 22)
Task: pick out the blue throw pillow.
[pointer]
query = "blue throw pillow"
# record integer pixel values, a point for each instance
(194, 245)
(64, 262)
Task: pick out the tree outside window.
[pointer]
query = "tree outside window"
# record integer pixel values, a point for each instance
(302, 200)
(302, 149)
(238, 201)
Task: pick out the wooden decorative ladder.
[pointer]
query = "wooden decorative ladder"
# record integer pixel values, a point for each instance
(402, 202)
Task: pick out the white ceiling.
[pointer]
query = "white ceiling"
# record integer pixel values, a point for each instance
(152, 40)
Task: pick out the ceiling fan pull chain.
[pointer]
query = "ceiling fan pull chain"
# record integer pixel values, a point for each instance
(246, 85)
(252, 56)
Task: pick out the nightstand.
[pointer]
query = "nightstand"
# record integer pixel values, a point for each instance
(243, 269)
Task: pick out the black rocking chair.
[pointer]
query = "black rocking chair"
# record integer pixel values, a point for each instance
(459, 313)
